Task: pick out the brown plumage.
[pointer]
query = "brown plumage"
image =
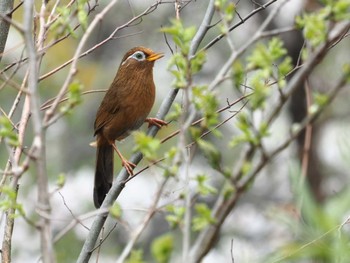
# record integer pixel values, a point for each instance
(124, 108)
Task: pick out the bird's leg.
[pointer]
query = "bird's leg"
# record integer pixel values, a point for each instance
(157, 122)
(129, 166)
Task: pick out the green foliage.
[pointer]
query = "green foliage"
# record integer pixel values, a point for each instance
(66, 15)
(11, 201)
(318, 235)
(82, 14)
(197, 62)
(246, 167)
(180, 73)
(228, 191)
(175, 215)
(175, 113)
(182, 36)
(115, 210)
(227, 10)
(341, 9)
(162, 247)
(238, 73)
(320, 100)
(7, 131)
(314, 26)
(262, 90)
(185, 67)
(74, 97)
(62, 25)
(346, 71)
(264, 56)
(211, 152)
(203, 217)
(269, 62)
(206, 102)
(136, 256)
(147, 145)
(61, 180)
(169, 155)
(249, 135)
(203, 187)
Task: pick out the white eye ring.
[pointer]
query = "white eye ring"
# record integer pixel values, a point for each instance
(139, 56)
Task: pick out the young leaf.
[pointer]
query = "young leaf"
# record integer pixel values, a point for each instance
(162, 247)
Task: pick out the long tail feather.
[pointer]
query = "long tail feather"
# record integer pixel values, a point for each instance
(103, 173)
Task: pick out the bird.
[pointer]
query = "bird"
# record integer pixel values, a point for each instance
(124, 108)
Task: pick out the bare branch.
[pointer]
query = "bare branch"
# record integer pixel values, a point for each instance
(38, 145)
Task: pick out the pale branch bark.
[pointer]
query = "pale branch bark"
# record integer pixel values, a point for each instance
(203, 28)
(6, 7)
(223, 206)
(38, 145)
(6, 250)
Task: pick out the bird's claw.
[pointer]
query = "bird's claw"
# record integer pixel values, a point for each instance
(157, 122)
(129, 166)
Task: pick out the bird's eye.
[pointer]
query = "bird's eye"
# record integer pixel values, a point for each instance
(139, 55)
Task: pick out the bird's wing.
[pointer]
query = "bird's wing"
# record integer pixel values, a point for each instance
(106, 112)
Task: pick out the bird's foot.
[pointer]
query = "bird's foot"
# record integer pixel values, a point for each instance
(129, 166)
(157, 122)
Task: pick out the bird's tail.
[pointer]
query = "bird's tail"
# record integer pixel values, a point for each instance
(103, 172)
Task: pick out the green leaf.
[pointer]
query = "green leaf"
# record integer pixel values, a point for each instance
(147, 145)
(61, 180)
(314, 26)
(136, 256)
(206, 101)
(261, 92)
(182, 36)
(7, 131)
(229, 190)
(238, 73)
(203, 217)
(203, 187)
(175, 113)
(230, 12)
(346, 71)
(211, 152)
(175, 215)
(264, 130)
(320, 99)
(74, 97)
(197, 62)
(341, 10)
(162, 247)
(246, 167)
(115, 210)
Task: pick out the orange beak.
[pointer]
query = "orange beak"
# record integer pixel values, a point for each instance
(155, 56)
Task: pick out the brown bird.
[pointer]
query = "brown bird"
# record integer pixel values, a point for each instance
(124, 108)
